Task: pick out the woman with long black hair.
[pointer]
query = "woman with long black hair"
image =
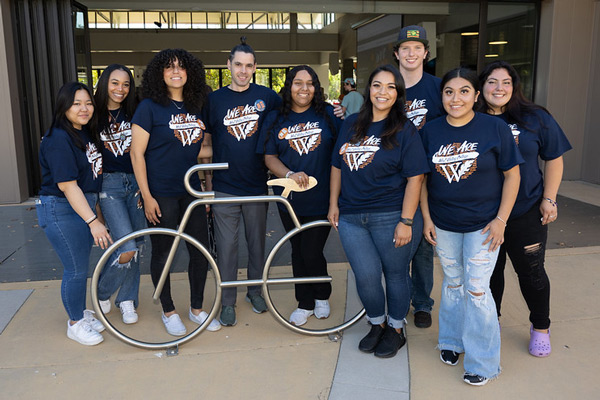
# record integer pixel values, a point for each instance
(297, 141)
(376, 176)
(168, 138)
(120, 199)
(538, 136)
(71, 166)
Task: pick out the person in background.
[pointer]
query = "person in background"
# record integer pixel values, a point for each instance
(297, 141)
(120, 199)
(168, 137)
(377, 170)
(352, 101)
(71, 166)
(423, 104)
(538, 136)
(470, 192)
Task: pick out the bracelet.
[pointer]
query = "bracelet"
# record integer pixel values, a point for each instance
(91, 219)
(498, 217)
(289, 173)
(549, 200)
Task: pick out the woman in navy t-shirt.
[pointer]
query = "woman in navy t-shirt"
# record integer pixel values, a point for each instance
(71, 167)
(377, 169)
(297, 141)
(538, 136)
(120, 199)
(168, 135)
(470, 192)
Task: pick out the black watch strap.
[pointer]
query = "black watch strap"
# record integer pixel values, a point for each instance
(406, 221)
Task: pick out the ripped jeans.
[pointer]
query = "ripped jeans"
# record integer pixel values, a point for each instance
(118, 202)
(468, 319)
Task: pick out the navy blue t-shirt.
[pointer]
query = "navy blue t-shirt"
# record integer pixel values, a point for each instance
(62, 161)
(424, 101)
(303, 142)
(374, 178)
(117, 142)
(467, 164)
(176, 138)
(234, 119)
(540, 136)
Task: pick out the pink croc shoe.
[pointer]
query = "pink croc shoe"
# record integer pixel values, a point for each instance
(539, 343)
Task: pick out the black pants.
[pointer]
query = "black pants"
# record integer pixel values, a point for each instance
(172, 210)
(308, 259)
(525, 242)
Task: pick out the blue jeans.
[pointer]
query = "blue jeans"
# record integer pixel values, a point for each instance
(368, 242)
(422, 277)
(118, 201)
(72, 241)
(468, 319)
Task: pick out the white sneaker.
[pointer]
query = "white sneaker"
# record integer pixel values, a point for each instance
(83, 333)
(322, 309)
(105, 306)
(174, 325)
(96, 325)
(299, 316)
(200, 318)
(128, 312)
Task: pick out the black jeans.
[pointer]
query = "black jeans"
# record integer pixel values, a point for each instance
(525, 242)
(172, 210)
(308, 259)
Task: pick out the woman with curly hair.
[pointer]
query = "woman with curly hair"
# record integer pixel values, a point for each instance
(300, 137)
(71, 167)
(376, 177)
(168, 137)
(538, 136)
(119, 199)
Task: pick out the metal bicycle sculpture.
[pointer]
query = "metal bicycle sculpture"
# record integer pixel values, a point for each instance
(205, 198)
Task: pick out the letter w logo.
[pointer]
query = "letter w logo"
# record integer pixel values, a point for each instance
(356, 160)
(305, 144)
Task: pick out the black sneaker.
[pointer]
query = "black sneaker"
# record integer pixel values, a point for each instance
(422, 319)
(369, 342)
(390, 343)
(449, 357)
(475, 380)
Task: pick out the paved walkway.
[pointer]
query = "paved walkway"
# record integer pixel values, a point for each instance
(260, 359)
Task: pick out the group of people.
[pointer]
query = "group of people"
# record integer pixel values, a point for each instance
(450, 164)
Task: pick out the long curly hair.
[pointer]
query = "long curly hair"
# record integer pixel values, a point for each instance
(195, 89)
(396, 118)
(101, 96)
(64, 101)
(318, 102)
(518, 106)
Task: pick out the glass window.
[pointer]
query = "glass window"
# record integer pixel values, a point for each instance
(119, 20)
(260, 20)
(136, 20)
(278, 78)
(184, 20)
(214, 20)
(212, 78)
(317, 21)
(103, 19)
(304, 21)
(199, 20)
(226, 77)
(91, 19)
(261, 77)
(230, 20)
(152, 20)
(245, 20)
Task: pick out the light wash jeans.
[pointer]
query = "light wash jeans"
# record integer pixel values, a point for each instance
(468, 323)
(368, 242)
(118, 201)
(72, 241)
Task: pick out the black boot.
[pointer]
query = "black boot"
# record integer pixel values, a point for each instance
(369, 342)
(390, 343)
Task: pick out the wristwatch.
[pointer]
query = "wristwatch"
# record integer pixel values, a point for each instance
(406, 221)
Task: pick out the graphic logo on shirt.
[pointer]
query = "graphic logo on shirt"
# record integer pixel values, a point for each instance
(303, 137)
(242, 121)
(94, 158)
(187, 128)
(117, 139)
(416, 111)
(515, 131)
(456, 161)
(359, 155)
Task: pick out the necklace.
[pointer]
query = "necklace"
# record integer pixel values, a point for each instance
(114, 118)
(115, 124)
(175, 104)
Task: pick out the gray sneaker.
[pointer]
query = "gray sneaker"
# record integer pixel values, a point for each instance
(227, 317)
(258, 303)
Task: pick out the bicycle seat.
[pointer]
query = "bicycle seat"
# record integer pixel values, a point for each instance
(290, 185)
